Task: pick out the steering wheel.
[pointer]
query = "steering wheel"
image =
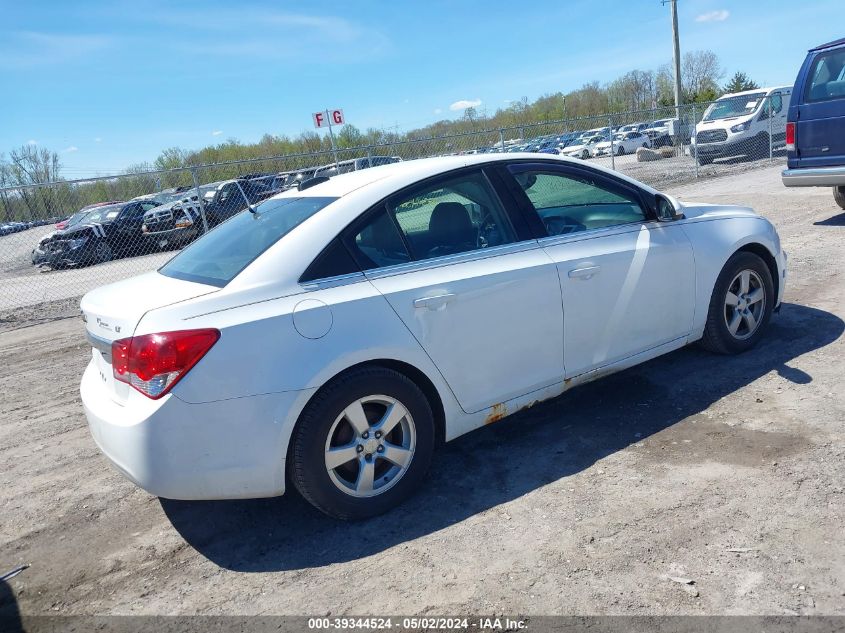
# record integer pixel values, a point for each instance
(561, 225)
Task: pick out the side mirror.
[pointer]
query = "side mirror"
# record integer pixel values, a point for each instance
(666, 209)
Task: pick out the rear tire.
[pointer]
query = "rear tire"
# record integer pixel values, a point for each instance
(363, 444)
(839, 196)
(740, 306)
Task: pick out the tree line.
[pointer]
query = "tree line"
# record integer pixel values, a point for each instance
(633, 92)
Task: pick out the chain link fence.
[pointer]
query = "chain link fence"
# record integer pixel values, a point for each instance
(60, 240)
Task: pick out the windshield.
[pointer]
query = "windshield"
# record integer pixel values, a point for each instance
(104, 214)
(76, 218)
(220, 255)
(727, 107)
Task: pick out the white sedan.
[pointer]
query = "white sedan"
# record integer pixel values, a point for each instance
(333, 335)
(623, 143)
(583, 147)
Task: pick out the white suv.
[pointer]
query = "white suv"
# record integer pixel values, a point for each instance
(740, 124)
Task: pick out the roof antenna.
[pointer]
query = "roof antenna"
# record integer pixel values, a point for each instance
(243, 193)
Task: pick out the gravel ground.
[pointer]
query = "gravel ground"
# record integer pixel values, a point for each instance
(728, 472)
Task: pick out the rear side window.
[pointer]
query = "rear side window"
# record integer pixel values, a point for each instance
(827, 77)
(221, 254)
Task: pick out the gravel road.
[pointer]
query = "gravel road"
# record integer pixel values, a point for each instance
(725, 471)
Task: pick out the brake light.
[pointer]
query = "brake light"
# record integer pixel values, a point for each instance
(153, 363)
(790, 137)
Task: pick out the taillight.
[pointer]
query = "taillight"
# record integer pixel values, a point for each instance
(153, 363)
(790, 137)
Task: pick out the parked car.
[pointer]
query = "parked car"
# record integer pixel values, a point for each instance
(354, 164)
(177, 223)
(13, 227)
(227, 198)
(81, 214)
(39, 253)
(332, 338)
(584, 147)
(738, 124)
(623, 143)
(106, 233)
(815, 129)
(633, 127)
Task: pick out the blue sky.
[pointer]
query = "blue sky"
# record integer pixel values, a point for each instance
(108, 84)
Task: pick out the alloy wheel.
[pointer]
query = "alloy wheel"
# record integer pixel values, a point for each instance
(370, 446)
(745, 304)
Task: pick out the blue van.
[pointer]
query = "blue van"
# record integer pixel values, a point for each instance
(815, 128)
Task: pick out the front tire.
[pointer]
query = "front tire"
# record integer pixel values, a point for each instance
(741, 305)
(839, 196)
(363, 444)
(102, 252)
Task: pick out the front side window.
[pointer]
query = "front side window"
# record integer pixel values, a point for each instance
(827, 77)
(453, 216)
(568, 203)
(220, 255)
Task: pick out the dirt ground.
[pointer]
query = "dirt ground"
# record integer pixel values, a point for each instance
(728, 472)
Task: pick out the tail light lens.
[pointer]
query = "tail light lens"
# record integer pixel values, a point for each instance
(790, 137)
(153, 363)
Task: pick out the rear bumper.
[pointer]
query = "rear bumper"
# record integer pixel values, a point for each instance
(230, 449)
(814, 177)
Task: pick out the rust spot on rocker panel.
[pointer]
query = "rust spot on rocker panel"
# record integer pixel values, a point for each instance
(497, 412)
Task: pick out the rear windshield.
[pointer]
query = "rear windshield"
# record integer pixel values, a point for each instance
(220, 255)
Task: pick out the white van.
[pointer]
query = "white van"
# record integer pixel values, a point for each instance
(738, 124)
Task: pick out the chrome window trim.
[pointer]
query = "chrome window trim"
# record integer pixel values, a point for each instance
(332, 282)
(616, 229)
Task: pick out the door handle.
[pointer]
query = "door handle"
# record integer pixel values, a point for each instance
(434, 302)
(584, 273)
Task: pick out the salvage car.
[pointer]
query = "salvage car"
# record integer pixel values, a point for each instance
(230, 197)
(108, 232)
(584, 147)
(623, 143)
(333, 335)
(176, 223)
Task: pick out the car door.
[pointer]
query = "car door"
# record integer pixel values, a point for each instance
(627, 279)
(474, 288)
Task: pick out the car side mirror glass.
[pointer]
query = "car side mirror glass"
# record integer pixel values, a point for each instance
(666, 211)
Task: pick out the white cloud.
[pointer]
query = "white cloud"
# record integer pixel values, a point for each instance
(32, 142)
(463, 104)
(98, 139)
(217, 132)
(437, 111)
(714, 16)
(72, 148)
(27, 49)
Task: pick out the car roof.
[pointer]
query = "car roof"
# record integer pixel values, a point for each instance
(832, 44)
(404, 173)
(766, 90)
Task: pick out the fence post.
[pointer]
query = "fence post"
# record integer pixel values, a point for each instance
(612, 151)
(200, 201)
(369, 157)
(694, 152)
(771, 158)
(502, 140)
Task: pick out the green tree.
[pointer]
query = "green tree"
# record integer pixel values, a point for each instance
(739, 83)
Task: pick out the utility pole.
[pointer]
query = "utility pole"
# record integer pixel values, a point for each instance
(676, 55)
